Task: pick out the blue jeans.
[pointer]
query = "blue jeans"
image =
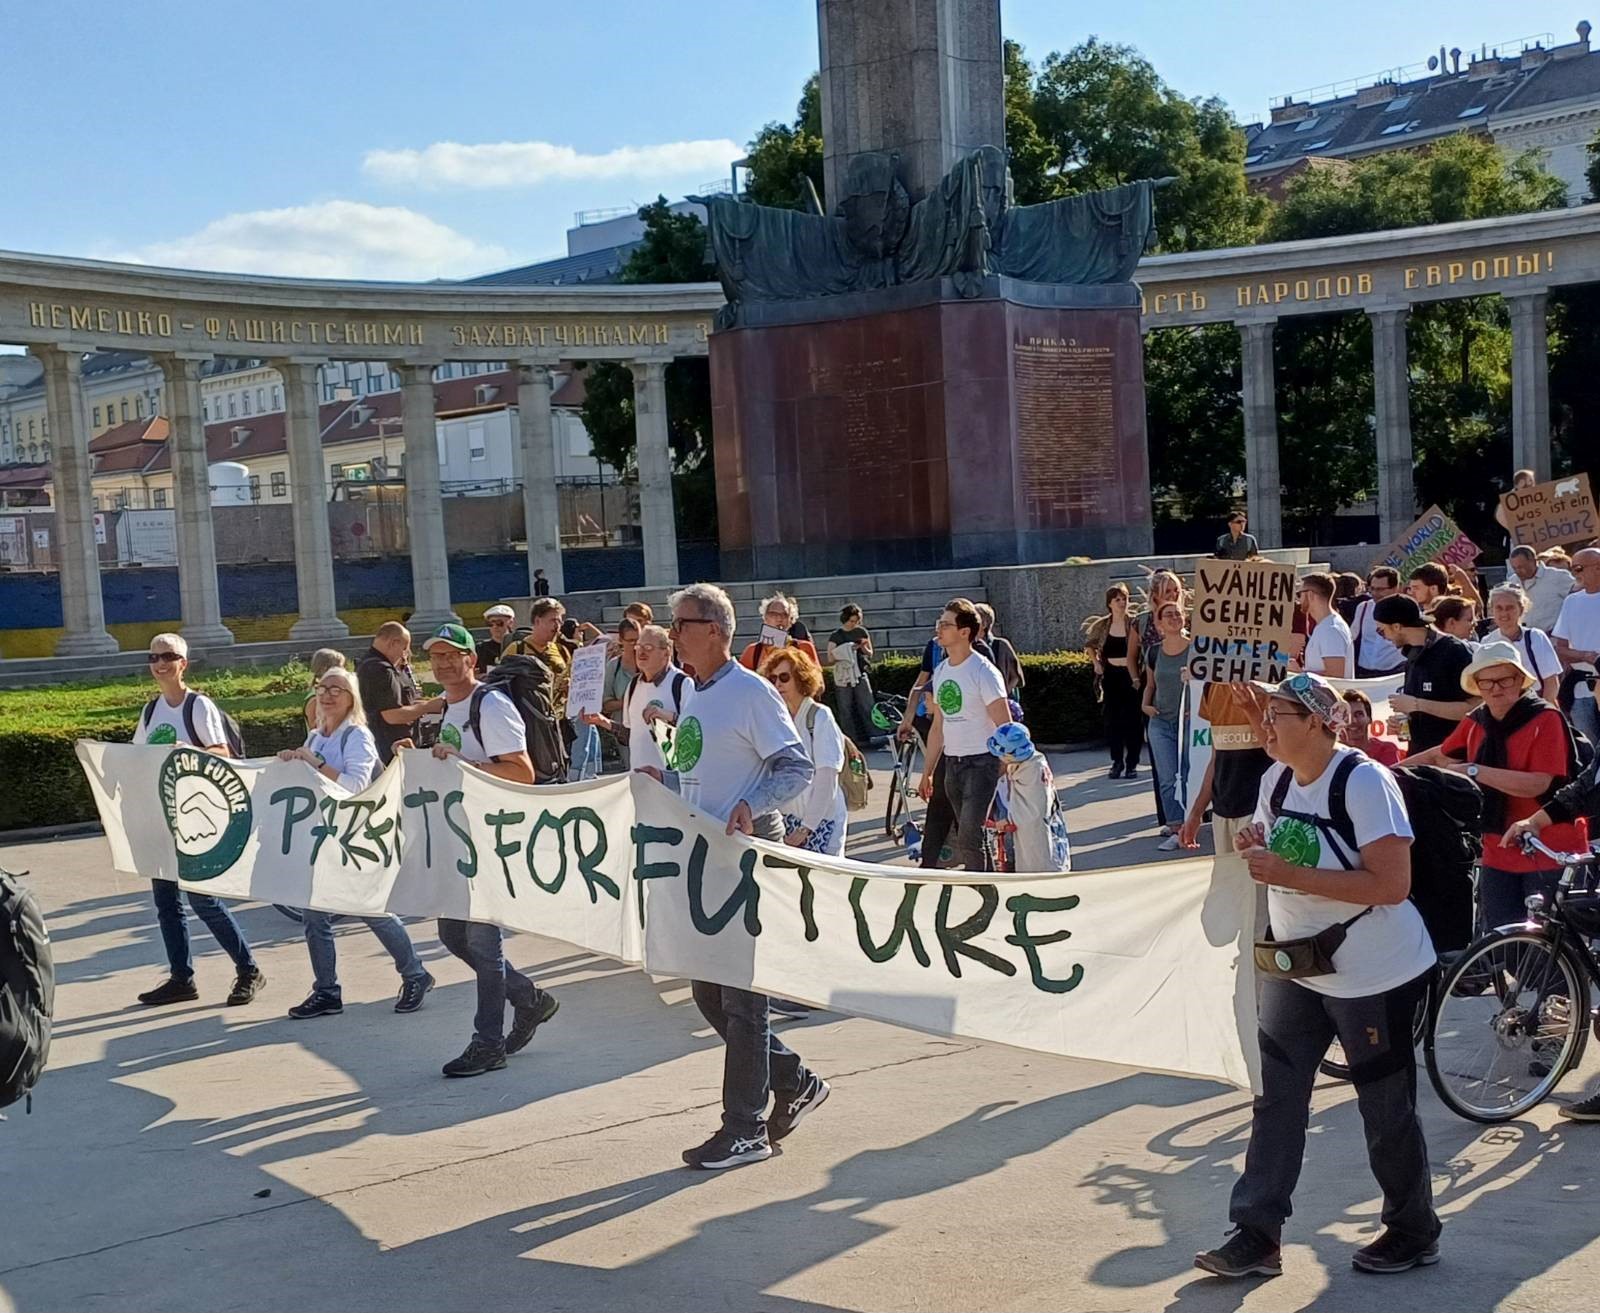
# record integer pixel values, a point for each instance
(1586, 717)
(585, 763)
(482, 947)
(391, 932)
(755, 1063)
(1164, 756)
(174, 923)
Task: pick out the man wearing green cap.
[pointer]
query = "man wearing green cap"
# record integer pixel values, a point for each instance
(484, 728)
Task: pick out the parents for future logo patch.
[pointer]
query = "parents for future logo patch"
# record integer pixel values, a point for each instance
(207, 808)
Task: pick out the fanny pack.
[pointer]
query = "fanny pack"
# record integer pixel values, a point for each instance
(1295, 959)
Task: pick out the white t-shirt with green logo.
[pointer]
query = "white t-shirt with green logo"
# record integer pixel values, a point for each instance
(643, 749)
(1385, 948)
(963, 693)
(498, 721)
(725, 734)
(166, 723)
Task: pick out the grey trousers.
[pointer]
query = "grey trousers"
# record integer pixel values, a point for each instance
(1296, 1026)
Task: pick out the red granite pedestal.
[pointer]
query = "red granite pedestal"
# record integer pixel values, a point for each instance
(952, 433)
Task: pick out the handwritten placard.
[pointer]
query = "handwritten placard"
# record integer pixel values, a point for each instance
(1551, 514)
(1244, 599)
(587, 689)
(1434, 537)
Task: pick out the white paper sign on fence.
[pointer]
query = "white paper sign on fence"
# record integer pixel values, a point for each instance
(621, 867)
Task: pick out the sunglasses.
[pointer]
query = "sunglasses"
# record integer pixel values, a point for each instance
(161, 658)
(781, 677)
(1494, 683)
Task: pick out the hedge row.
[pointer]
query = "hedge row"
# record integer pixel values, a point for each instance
(46, 786)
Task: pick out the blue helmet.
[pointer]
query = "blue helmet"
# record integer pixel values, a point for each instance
(1012, 740)
(1015, 708)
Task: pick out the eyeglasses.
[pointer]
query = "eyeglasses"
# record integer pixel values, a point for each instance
(1494, 683)
(781, 677)
(329, 690)
(945, 624)
(161, 658)
(1273, 716)
(678, 622)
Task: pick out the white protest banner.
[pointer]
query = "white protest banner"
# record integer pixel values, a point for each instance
(1194, 732)
(587, 688)
(1551, 514)
(623, 868)
(1243, 620)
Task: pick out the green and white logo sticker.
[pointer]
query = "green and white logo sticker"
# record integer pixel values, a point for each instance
(1283, 960)
(207, 807)
(949, 696)
(688, 744)
(451, 734)
(162, 734)
(1297, 842)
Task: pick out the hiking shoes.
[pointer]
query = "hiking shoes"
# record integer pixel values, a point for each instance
(476, 1059)
(317, 1004)
(524, 1021)
(1246, 1253)
(1392, 1252)
(412, 992)
(246, 985)
(170, 990)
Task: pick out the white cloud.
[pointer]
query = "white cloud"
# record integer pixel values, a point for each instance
(530, 163)
(328, 239)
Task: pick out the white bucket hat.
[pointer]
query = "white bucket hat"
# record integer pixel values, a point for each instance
(1495, 654)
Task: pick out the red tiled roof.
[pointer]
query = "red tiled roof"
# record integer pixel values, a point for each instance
(25, 476)
(134, 457)
(571, 392)
(458, 396)
(151, 429)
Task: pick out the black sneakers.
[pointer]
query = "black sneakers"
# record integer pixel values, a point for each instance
(476, 1059)
(725, 1149)
(1392, 1252)
(246, 985)
(317, 1004)
(412, 992)
(1246, 1253)
(170, 990)
(790, 1111)
(1584, 1110)
(524, 1021)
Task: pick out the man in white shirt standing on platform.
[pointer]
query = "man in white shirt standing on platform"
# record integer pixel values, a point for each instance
(737, 757)
(1546, 587)
(178, 714)
(1577, 638)
(969, 704)
(1330, 651)
(483, 727)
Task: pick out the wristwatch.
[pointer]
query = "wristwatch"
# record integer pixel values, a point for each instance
(1472, 771)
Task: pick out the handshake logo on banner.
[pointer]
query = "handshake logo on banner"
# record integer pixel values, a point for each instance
(207, 807)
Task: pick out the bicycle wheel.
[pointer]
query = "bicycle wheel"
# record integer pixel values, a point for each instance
(1509, 1020)
(895, 811)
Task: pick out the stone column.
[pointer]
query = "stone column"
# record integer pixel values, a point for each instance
(1264, 482)
(656, 521)
(83, 610)
(541, 505)
(1530, 384)
(1391, 395)
(200, 598)
(430, 564)
(313, 550)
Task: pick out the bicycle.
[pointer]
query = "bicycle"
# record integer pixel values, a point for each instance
(1511, 1016)
(887, 713)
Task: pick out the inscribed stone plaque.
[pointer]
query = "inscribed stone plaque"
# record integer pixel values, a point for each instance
(1066, 427)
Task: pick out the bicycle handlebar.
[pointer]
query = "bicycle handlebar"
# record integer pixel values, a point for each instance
(1531, 843)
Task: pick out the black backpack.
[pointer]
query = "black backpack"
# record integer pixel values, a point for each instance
(1446, 812)
(528, 682)
(27, 991)
(230, 727)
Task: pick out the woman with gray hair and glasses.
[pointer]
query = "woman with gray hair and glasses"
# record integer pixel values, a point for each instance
(778, 612)
(1508, 609)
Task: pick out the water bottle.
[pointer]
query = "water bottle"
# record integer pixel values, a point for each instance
(913, 841)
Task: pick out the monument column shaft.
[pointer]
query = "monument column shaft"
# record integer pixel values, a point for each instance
(1391, 395)
(656, 519)
(541, 503)
(313, 550)
(430, 561)
(83, 610)
(1530, 384)
(199, 595)
(1263, 481)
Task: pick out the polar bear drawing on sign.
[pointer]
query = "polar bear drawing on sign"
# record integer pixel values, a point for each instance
(1567, 487)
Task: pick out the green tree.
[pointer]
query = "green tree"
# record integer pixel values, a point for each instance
(673, 250)
(784, 155)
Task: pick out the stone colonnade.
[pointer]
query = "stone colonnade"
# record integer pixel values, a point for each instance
(83, 609)
(1397, 497)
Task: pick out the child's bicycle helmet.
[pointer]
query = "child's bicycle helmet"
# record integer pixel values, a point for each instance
(1012, 740)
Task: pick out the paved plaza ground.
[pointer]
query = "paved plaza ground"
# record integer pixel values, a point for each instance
(202, 1157)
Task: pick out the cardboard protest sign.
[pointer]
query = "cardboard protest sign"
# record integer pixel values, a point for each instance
(586, 691)
(1551, 514)
(1243, 620)
(1434, 537)
(624, 868)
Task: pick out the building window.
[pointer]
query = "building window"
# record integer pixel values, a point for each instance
(280, 484)
(246, 399)
(475, 441)
(138, 407)
(44, 448)
(261, 400)
(97, 417)
(120, 501)
(158, 499)
(277, 398)
(124, 410)
(336, 472)
(233, 404)
(205, 409)
(255, 487)
(31, 434)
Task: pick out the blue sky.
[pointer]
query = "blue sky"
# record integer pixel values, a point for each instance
(409, 140)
